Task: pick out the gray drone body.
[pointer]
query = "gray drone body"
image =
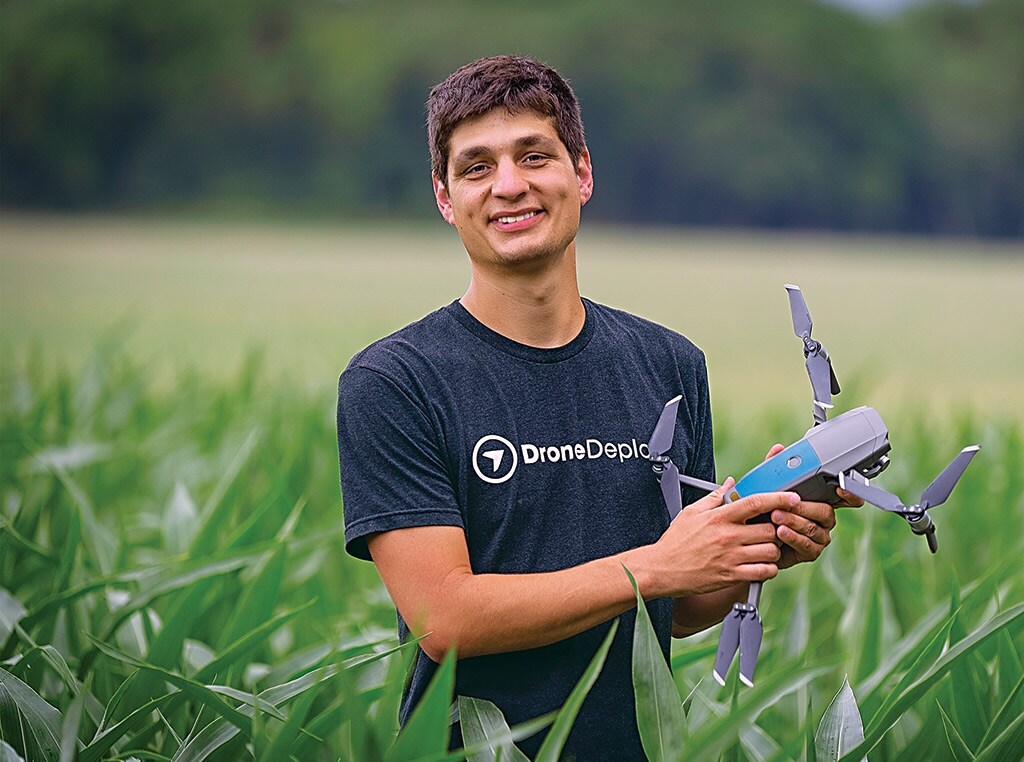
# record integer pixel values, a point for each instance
(845, 451)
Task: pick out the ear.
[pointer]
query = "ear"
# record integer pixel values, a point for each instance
(585, 174)
(444, 203)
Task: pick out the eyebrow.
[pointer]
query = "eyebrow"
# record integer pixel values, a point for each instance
(533, 140)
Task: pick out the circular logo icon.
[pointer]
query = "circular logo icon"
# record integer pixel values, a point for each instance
(494, 459)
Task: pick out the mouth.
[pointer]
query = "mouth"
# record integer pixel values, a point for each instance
(513, 223)
(510, 219)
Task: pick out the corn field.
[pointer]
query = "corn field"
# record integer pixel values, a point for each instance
(173, 586)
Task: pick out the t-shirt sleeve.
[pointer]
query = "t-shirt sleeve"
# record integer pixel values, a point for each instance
(393, 473)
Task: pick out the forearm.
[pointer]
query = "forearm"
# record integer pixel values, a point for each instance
(428, 573)
(694, 613)
(480, 614)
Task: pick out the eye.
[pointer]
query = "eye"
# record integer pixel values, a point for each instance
(475, 169)
(534, 158)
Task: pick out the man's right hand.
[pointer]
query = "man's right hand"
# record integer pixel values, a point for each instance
(709, 546)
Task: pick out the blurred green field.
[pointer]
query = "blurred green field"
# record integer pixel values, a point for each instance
(909, 322)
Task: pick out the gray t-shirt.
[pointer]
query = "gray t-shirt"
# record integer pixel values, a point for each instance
(539, 455)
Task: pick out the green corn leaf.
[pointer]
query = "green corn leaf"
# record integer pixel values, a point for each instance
(757, 745)
(388, 708)
(1006, 711)
(968, 682)
(69, 730)
(196, 691)
(551, 749)
(928, 742)
(1009, 671)
(179, 521)
(887, 717)
(99, 539)
(8, 754)
(713, 735)
(921, 646)
(236, 651)
(483, 724)
(216, 511)
(841, 727)
(213, 736)
(957, 747)
(810, 752)
(11, 612)
(287, 735)
(659, 708)
(427, 729)
(1007, 745)
(29, 723)
(260, 595)
(352, 708)
(692, 654)
(52, 658)
(924, 659)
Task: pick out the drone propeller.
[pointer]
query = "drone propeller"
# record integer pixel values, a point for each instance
(939, 490)
(819, 367)
(661, 443)
(741, 631)
(935, 494)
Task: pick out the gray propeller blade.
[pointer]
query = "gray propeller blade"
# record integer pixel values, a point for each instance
(664, 431)
(798, 307)
(869, 494)
(751, 632)
(670, 490)
(823, 378)
(819, 366)
(728, 643)
(938, 491)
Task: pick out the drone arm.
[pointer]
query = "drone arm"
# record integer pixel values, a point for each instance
(692, 481)
(870, 494)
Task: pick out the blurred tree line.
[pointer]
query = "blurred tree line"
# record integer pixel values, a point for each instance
(746, 113)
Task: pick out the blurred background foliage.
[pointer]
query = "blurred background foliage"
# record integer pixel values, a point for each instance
(794, 114)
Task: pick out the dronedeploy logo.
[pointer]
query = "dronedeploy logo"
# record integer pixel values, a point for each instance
(495, 459)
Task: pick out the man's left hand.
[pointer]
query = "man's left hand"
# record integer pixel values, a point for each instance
(804, 531)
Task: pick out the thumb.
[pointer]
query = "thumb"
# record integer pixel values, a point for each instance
(714, 498)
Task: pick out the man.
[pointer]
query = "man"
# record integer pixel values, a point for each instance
(490, 463)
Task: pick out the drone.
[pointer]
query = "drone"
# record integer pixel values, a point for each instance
(846, 451)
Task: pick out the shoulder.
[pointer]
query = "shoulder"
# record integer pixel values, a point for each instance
(417, 344)
(644, 334)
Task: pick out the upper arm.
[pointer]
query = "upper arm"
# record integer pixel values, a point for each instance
(416, 564)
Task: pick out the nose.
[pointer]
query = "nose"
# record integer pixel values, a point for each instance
(509, 181)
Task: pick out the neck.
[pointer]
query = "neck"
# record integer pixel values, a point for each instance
(537, 308)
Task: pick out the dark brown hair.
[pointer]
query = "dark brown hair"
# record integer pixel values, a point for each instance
(515, 83)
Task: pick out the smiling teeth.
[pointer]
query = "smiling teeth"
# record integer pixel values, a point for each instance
(519, 218)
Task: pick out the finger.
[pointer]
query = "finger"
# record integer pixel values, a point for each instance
(762, 552)
(756, 572)
(800, 525)
(806, 549)
(755, 534)
(754, 505)
(774, 450)
(850, 500)
(822, 514)
(714, 498)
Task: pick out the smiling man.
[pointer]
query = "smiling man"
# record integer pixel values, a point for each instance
(490, 463)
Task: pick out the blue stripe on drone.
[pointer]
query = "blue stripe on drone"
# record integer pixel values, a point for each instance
(789, 467)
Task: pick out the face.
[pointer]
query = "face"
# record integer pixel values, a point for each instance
(512, 191)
